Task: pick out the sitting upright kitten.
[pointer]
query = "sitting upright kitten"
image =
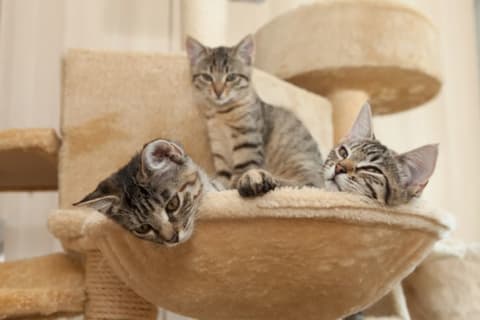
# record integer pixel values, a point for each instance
(361, 164)
(155, 196)
(255, 146)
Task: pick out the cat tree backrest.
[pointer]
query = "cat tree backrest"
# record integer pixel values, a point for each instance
(113, 103)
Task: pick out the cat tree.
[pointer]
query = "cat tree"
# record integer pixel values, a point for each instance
(241, 249)
(293, 253)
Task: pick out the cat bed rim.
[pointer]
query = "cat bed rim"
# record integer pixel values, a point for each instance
(78, 228)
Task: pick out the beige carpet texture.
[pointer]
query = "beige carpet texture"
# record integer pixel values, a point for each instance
(42, 286)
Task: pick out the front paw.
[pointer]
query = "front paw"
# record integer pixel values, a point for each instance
(255, 182)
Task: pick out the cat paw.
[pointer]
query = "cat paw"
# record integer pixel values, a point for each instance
(255, 182)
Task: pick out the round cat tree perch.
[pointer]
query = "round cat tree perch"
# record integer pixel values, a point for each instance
(354, 50)
(234, 266)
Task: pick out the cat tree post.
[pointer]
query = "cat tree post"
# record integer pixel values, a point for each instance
(204, 19)
(108, 297)
(345, 102)
(383, 51)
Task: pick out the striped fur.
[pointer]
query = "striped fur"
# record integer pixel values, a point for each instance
(255, 146)
(155, 196)
(361, 164)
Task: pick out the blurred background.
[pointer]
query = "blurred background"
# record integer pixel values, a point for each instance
(35, 34)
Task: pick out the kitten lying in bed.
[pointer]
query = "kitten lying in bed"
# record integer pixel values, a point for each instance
(361, 164)
(156, 195)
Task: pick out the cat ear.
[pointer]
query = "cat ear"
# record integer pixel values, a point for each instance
(245, 49)
(156, 153)
(362, 127)
(98, 200)
(417, 167)
(195, 50)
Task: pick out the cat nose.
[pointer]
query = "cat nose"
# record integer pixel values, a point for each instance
(174, 239)
(218, 90)
(344, 166)
(340, 169)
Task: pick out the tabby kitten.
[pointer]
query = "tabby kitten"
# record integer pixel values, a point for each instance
(156, 195)
(361, 164)
(255, 146)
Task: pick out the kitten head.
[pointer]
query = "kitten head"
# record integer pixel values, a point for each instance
(222, 74)
(361, 164)
(155, 196)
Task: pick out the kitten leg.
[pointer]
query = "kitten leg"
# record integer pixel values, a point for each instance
(255, 182)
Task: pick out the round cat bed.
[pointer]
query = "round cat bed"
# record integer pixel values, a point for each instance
(292, 253)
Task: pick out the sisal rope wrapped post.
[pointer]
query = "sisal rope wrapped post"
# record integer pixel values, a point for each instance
(108, 297)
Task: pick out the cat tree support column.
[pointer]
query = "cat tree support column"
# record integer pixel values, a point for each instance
(108, 298)
(353, 50)
(205, 20)
(345, 102)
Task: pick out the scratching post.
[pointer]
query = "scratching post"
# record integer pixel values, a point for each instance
(108, 297)
(345, 102)
(354, 50)
(204, 20)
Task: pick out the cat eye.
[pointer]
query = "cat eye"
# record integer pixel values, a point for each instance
(342, 152)
(143, 229)
(371, 169)
(173, 204)
(206, 77)
(231, 77)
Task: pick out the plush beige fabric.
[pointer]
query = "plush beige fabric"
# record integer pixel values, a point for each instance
(19, 148)
(41, 286)
(384, 48)
(113, 103)
(447, 285)
(293, 252)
